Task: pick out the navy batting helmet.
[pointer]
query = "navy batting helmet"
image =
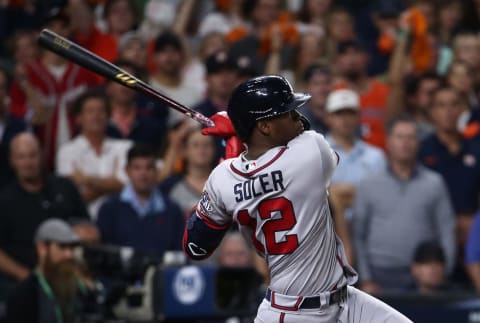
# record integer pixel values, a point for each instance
(260, 98)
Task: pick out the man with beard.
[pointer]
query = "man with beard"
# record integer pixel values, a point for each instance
(51, 293)
(351, 62)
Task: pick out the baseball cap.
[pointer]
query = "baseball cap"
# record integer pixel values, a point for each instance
(429, 251)
(56, 230)
(166, 39)
(247, 66)
(219, 61)
(342, 100)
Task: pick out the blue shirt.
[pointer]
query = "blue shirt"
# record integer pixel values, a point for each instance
(461, 171)
(155, 203)
(160, 228)
(354, 165)
(472, 248)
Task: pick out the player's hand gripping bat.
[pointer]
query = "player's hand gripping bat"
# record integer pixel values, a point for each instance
(94, 63)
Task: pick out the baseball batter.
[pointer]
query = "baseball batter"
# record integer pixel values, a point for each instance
(277, 191)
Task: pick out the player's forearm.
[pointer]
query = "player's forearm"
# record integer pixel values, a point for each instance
(201, 237)
(12, 268)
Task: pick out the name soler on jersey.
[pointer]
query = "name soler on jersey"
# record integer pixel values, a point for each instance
(258, 185)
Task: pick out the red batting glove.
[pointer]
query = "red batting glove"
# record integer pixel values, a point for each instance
(233, 147)
(224, 129)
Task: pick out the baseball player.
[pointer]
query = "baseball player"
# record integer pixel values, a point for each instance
(277, 191)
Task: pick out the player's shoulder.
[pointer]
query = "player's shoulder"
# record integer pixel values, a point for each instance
(308, 140)
(308, 136)
(222, 169)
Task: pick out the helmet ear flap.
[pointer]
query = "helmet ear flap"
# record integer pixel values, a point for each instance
(305, 121)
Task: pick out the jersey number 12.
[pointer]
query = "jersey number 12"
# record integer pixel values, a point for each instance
(286, 221)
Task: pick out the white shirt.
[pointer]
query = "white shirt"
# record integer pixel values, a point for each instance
(79, 154)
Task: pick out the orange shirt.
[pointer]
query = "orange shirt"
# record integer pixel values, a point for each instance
(373, 104)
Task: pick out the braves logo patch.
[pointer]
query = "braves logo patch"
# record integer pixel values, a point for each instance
(205, 203)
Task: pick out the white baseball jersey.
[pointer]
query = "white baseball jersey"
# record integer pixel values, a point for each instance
(280, 202)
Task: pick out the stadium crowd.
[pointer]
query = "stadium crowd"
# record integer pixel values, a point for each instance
(395, 88)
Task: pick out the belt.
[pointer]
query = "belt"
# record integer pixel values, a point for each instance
(312, 302)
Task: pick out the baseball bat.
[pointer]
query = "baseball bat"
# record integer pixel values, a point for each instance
(83, 57)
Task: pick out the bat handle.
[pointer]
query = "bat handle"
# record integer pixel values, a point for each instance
(201, 119)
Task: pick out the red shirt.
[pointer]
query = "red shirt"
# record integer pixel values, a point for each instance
(57, 95)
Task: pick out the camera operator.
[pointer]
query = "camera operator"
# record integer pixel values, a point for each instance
(53, 293)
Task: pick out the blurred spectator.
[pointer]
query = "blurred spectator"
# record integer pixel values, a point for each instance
(25, 203)
(234, 251)
(427, 8)
(466, 48)
(318, 83)
(340, 28)
(119, 16)
(158, 15)
(314, 14)
(9, 127)
(44, 89)
(132, 48)
(414, 206)
(419, 94)
(53, 292)
(24, 47)
(125, 121)
(309, 49)
(168, 78)
(460, 77)
(141, 216)
(199, 159)
(454, 157)
(269, 26)
(357, 159)
(449, 15)
(226, 16)
(194, 72)
(374, 110)
(429, 270)
(472, 253)
(384, 15)
(221, 80)
(94, 162)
